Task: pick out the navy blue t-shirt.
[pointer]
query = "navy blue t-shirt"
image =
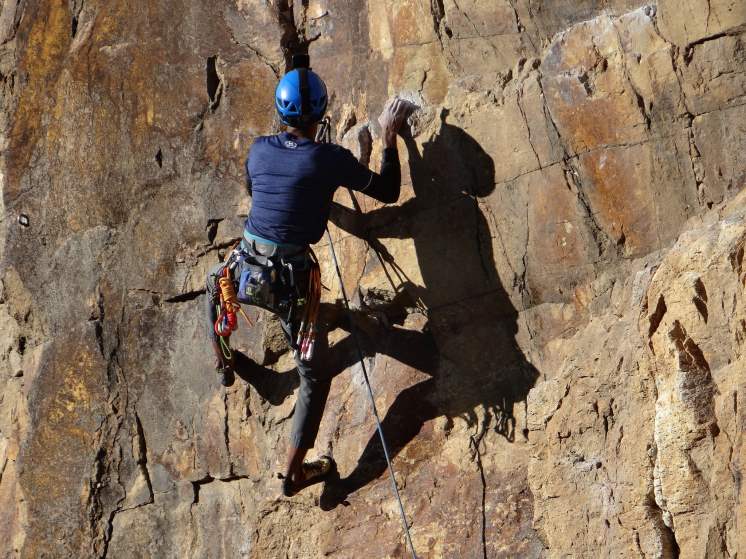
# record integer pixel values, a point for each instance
(292, 182)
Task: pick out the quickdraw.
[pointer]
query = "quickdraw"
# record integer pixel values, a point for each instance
(307, 332)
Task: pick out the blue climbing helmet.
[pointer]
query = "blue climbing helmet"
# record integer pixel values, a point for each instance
(300, 98)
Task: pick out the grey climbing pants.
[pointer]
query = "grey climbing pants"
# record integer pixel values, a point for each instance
(315, 378)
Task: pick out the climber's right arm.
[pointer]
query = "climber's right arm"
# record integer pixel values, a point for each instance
(386, 185)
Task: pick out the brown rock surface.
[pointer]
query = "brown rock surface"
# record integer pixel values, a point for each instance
(552, 317)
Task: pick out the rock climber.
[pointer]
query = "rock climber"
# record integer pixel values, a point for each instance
(291, 179)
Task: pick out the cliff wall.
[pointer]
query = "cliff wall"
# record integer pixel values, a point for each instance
(553, 315)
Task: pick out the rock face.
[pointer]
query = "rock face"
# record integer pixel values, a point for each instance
(553, 317)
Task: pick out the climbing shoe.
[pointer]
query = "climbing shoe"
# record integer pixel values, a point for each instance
(227, 376)
(313, 472)
(225, 373)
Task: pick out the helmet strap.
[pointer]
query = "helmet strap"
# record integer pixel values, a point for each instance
(305, 94)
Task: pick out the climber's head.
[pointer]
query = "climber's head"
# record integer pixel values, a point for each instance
(300, 98)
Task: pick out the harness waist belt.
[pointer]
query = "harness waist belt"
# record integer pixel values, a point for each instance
(265, 247)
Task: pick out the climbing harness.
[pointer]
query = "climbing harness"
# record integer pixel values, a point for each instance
(324, 135)
(268, 282)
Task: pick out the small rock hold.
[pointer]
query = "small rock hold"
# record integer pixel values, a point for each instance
(24, 220)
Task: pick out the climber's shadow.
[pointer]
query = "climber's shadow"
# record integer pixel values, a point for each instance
(470, 335)
(271, 385)
(276, 386)
(413, 348)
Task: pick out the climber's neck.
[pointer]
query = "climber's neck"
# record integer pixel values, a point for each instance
(307, 133)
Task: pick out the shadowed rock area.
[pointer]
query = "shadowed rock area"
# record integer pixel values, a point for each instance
(553, 316)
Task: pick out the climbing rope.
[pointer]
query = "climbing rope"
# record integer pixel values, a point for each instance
(324, 135)
(227, 321)
(379, 427)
